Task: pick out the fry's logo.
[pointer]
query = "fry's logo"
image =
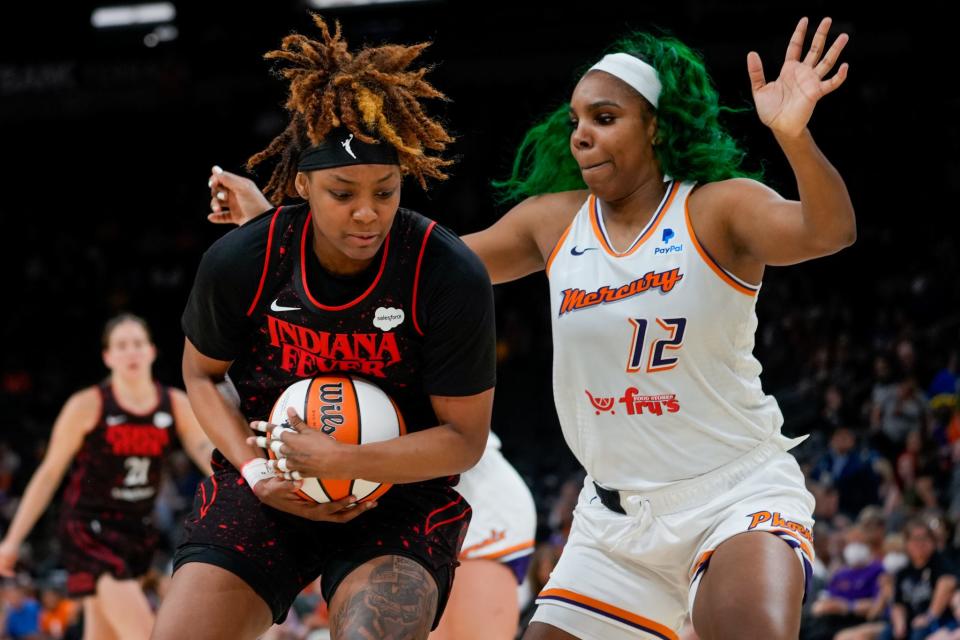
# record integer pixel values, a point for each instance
(575, 299)
(776, 520)
(636, 404)
(602, 405)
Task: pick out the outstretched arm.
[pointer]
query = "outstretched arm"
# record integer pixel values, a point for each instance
(78, 416)
(763, 225)
(194, 440)
(233, 198)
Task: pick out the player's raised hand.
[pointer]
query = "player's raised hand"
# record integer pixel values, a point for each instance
(786, 104)
(233, 198)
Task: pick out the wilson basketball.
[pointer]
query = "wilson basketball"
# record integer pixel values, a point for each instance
(352, 411)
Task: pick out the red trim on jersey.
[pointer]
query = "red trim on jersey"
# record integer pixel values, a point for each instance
(427, 528)
(416, 276)
(266, 263)
(94, 548)
(134, 414)
(303, 272)
(205, 506)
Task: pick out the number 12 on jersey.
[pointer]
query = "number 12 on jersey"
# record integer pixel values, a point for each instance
(657, 358)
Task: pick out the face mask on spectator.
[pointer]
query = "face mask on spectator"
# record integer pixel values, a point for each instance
(894, 561)
(856, 554)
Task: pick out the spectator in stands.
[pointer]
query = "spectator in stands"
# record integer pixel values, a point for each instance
(20, 610)
(850, 470)
(922, 589)
(853, 595)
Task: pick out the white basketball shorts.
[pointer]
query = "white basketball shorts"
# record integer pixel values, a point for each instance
(504, 519)
(636, 575)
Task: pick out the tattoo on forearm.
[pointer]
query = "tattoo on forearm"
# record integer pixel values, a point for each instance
(398, 602)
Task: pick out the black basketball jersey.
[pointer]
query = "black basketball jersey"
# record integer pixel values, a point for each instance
(118, 467)
(374, 336)
(419, 323)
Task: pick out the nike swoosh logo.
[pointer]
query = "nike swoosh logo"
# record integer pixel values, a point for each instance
(276, 307)
(574, 252)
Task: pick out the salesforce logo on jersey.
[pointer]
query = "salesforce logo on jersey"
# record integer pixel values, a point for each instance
(667, 236)
(386, 318)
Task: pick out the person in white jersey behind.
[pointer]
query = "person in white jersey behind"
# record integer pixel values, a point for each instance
(654, 270)
(655, 244)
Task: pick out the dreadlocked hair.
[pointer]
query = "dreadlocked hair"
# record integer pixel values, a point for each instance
(368, 92)
(692, 144)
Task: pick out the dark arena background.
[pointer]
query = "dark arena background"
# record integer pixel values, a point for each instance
(108, 133)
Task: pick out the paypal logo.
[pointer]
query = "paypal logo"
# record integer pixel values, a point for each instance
(668, 235)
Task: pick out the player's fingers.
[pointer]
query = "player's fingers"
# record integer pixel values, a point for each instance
(817, 45)
(294, 419)
(341, 504)
(828, 86)
(260, 441)
(220, 217)
(277, 447)
(795, 48)
(832, 55)
(282, 465)
(278, 432)
(348, 514)
(262, 426)
(755, 71)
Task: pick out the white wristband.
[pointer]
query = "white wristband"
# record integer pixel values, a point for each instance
(254, 470)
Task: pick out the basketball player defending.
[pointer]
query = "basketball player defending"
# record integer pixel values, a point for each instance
(116, 434)
(346, 283)
(691, 502)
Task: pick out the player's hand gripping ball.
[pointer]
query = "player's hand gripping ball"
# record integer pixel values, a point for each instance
(350, 410)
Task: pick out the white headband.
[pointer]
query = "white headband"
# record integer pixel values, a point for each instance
(635, 72)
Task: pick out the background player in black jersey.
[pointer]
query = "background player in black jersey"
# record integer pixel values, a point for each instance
(348, 283)
(116, 434)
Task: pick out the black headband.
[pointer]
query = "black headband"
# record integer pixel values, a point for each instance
(341, 148)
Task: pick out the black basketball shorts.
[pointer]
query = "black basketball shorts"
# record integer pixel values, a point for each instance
(279, 554)
(107, 543)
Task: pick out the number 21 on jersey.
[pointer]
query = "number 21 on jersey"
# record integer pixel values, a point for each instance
(666, 337)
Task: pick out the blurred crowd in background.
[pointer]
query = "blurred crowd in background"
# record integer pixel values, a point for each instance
(104, 211)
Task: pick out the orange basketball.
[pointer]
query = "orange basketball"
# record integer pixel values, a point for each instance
(351, 410)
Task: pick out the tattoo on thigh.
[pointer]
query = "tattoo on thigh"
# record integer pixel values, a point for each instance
(398, 602)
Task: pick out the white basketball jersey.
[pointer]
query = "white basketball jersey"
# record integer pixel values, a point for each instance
(653, 373)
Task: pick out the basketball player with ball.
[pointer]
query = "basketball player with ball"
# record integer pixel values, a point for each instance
(347, 283)
(500, 540)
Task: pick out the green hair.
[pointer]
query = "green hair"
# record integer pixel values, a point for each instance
(692, 145)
